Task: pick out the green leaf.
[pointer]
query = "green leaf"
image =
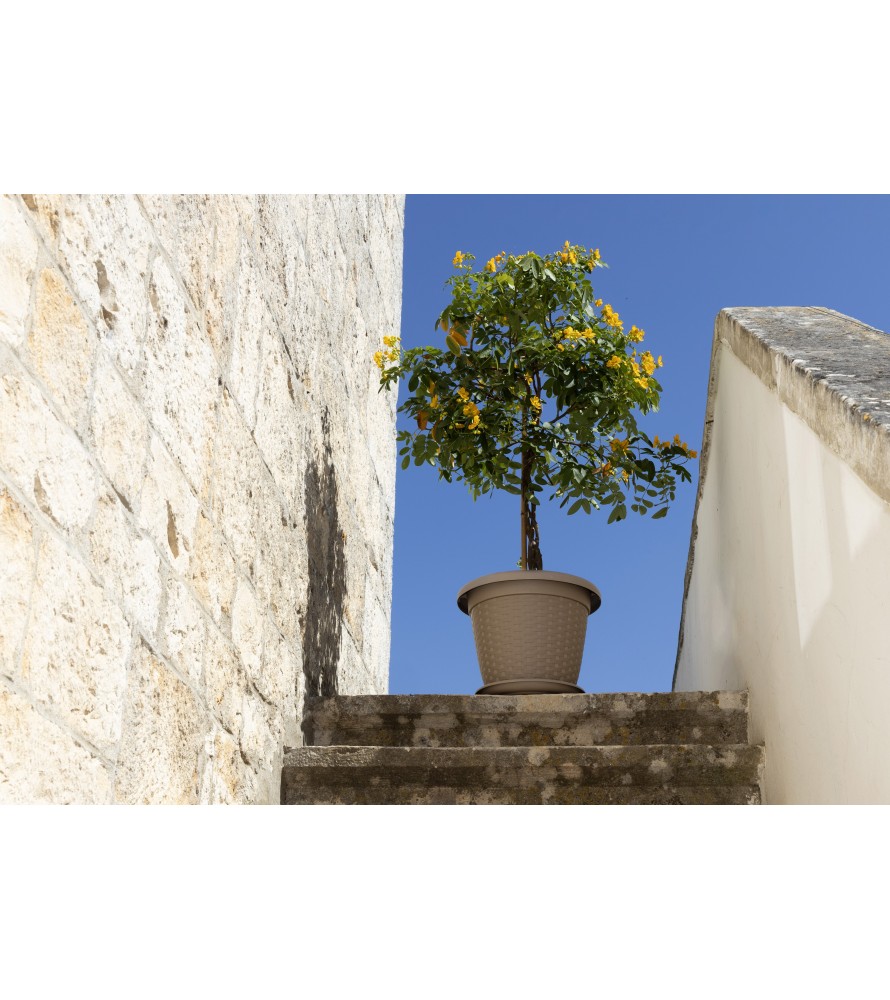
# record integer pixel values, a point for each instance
(659, 513)
(452, 345)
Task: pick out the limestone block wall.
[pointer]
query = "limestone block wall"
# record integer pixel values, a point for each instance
(196, 485)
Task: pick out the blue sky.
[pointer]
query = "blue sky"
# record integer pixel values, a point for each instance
(674, 262)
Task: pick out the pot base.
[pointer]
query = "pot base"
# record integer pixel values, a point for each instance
(530, 685)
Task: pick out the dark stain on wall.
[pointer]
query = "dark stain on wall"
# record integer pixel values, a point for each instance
(323, 618)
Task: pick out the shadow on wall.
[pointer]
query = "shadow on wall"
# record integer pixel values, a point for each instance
(323, 620)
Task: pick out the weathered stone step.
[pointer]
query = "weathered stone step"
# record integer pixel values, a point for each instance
(707, 717)
(666, 774)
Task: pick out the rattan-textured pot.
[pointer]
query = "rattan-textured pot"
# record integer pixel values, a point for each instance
(529, 628)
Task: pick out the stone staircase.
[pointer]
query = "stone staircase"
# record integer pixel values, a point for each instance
(684, 748)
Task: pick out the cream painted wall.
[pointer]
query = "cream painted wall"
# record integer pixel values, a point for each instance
(789, 597)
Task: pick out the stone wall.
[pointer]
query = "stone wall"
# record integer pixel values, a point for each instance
(196, 485)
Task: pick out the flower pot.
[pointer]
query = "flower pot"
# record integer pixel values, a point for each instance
(529, 628)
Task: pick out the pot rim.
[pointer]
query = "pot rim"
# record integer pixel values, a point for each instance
(526, 574)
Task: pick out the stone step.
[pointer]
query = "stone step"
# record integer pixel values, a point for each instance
(706, 717)
(556, 775)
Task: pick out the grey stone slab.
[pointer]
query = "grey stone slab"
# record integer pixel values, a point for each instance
(706, 717)
(687, 774)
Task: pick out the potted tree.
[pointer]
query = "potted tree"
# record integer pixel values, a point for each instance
(535, 392)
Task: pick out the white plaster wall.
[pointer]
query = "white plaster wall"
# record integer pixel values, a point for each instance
(197, 485)
(789, 597)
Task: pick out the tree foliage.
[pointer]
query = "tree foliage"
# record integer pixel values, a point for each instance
(535, 391)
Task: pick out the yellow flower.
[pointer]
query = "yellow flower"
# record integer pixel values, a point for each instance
(625, 475)
(636, 369)
(458, 259)
(535, 403)
(391, 341)
(378, 359)
(614, 362)
(564, 257)
(655, 440)
(642, 382)
(566, 245)
(611, 318)
(636, 334)
(462, 393)
(573, 257)
(596, 255)
(660, 362)
(607, 469)
(676, 439)
(434, 402)
(620, 447)
(560, 347)
(649, 363)
(491, 265)
(693, 454)
(598, 303)
(528, 378)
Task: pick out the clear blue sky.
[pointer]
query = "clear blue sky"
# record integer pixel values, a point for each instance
(674, 262)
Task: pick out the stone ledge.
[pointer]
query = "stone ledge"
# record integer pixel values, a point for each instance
(528, 720)
(521, 775)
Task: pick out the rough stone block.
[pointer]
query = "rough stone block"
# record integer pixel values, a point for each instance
(164, 730)
(18, 261)
(76, 649)
(40, 454)
(104, 247)
(40, 763)
(179, 378)
(127, 563)
(252, 317)
(61, 345)
(183, 631)
(227, 779)
(168, 509)
(212, 572)
(119, 432)
(220, 312)
(17, 569)
(46, 211)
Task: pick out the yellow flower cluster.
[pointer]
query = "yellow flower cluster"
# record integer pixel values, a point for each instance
(471, 410)
(620, 447)
(567, 255)
(677, 443)
(649, 362)
(598, 303)
(458, 259)
(492, 265)
(611, 318)
(391, 354)
(535, 403)
(570, 333)
(463, 394)
(614, 362)
(636, 334)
